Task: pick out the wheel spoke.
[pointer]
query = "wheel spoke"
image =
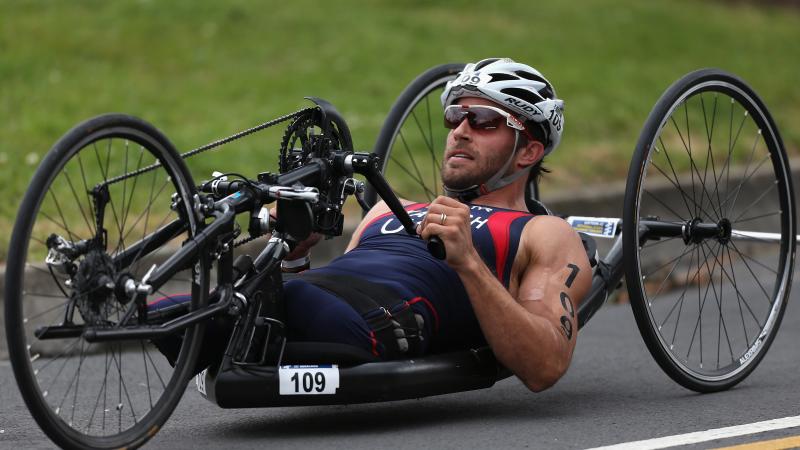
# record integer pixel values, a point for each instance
(676, 182)
(418, 177)
(760, 216)
(661, 241)
(721, 326)
(749, 269)
(685, 196)
(755, 261)
(78, 202)
(430, 194)
(738, 188)
(652, 271)
(667, 207)
(86, 189)
(756, 201)
(731, 277)
(739, 297)
(694, 171)
(39, 314)
(146, 213)
(101, 391)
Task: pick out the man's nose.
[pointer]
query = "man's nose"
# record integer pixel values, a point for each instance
(462, 131)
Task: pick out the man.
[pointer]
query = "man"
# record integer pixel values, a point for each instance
(510, 279)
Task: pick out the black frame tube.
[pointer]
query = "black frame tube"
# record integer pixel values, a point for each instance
(607, 276)
(150, 243)
(159, 331)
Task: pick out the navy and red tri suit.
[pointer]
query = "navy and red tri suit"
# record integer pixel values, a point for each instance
(387, 255)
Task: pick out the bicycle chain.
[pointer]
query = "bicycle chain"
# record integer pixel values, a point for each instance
(246, 240)
(212, 145)
(287, 136)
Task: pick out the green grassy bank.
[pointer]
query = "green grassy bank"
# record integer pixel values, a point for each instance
(203, 69)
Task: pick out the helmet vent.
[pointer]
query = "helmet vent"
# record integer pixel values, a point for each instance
(484, 63)
(502, 77)
(545, 92)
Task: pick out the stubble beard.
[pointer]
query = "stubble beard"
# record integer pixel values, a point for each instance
(478, 171)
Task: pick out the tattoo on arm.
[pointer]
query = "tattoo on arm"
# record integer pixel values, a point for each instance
(567, 304)
(572, 275)
(566, 327)
(566, 322)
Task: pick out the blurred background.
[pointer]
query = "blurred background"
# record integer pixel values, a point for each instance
(202, 69)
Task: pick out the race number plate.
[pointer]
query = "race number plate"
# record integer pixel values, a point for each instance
(308, 380)
(595, 226)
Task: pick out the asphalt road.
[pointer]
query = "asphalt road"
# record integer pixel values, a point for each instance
(613, 393)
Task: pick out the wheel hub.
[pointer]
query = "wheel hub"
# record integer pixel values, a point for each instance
(696, 231)
(94, 284)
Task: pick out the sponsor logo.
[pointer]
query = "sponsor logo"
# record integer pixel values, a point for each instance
(750, 352)
(522, 105)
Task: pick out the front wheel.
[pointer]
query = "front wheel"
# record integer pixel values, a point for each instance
(709, 231)
(104, 187)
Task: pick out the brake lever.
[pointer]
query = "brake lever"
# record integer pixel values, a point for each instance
(368, 164)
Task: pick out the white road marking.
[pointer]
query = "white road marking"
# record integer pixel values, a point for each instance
(707, 435)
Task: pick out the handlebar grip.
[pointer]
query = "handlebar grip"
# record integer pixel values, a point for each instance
(436, 248)
(222, 187)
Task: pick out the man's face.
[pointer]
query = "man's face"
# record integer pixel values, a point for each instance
(472, 156)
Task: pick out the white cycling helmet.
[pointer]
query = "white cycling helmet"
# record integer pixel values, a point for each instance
(518, 87)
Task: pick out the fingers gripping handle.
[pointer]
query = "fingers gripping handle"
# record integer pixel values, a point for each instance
(368, 164)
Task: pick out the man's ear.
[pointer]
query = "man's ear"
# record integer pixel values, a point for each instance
(530, 154)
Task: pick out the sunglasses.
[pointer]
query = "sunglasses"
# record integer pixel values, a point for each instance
(481, 117)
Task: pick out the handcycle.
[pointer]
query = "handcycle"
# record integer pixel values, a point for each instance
(113, 221)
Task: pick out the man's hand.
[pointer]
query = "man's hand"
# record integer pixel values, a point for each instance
(303, 247)
(449, 220)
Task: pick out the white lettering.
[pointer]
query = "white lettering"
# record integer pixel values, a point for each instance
(750, 352)
(478, 222)
(385, 230)
(481, 208)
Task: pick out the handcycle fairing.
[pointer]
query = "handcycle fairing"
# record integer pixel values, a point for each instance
(233, 386)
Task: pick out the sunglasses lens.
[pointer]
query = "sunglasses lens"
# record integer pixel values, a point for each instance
(453, 117)
(486, 118)
(478, 118)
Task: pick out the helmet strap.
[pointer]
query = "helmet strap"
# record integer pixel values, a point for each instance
(497, 181)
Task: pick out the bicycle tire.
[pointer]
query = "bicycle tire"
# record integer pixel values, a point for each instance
(65, 171)
(742, 194)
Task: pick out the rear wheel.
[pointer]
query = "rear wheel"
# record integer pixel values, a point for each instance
(709, 231)
(64, 260)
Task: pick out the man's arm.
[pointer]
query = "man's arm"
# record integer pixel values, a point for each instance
(534, 334)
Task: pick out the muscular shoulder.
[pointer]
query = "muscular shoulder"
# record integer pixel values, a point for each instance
(549, 240)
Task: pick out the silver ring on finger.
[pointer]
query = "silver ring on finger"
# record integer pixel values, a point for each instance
(444, 217)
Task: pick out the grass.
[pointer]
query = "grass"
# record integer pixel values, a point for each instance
(201, 69)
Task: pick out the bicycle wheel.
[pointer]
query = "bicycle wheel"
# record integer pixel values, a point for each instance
(709, 231)
(412, 138)
(61, 271)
